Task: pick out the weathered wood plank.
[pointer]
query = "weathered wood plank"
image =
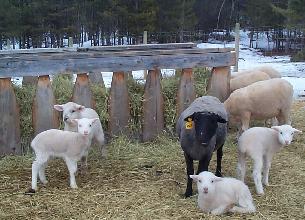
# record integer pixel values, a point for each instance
(62, 64)
(119, 109)
(29, 80)
(219, 83)
(186, 91)
(82, 93)
(153, 106)
(44, 116)
(96, 78)
(9, 119)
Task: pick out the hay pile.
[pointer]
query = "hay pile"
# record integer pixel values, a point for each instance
(146, 181)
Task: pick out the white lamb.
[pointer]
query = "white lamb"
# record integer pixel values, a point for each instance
(70, 146)
(261, 143)
(73, 110)
(219, 195)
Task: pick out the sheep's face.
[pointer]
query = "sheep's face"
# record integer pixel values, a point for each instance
(84, 125)
(206, 182)
(70, 111)
(285, 133)
(205, 125)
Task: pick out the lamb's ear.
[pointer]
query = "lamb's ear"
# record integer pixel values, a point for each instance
(80, 108)
(275, 128)
(74, 121)
(95, 119)
(296, 130)
(59, 107)
(194, 177)
(217, 179)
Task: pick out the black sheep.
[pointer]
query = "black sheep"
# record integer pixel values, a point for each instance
(202, 129)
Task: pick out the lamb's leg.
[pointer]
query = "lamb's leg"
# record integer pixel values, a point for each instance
(220, 210)
(42, 174)
(257, 175)
(241, 166)
(242, 209)
(72, 167)
(219, 158)
(36, 166)
(100, 139)
(189, 171)
(266, 168)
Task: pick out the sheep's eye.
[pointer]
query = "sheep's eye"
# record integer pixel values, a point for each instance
(199, 181)
(72, 111)
(90, 125)
(212, 181)
(281, 132)
(79, 125)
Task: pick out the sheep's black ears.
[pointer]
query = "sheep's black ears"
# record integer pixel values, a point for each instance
(190, 117)
(59, 107)
(220, 119)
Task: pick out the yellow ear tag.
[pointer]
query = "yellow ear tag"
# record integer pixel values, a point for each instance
(189, 124)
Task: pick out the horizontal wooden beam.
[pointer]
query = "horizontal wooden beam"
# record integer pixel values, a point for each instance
(30, 64)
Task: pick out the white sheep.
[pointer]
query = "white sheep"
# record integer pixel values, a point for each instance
(73, 110)
(219, 195)
(244, 80)
(266, 69)
(261, 143)
(261, 100)
(70, 146)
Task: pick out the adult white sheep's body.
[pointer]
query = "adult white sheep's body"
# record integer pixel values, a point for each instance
(73, 110)
(244, 80)
(261, 100)
(261, 143)
(219, 195)
(70, 146)
(273, 73)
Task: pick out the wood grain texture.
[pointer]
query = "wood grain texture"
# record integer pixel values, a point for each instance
(119, 109)
(153, 106)
(219, 83)
(94, 61)
(9, 120)
(186, 90)
(96, 78)
(44, 116)
(29, 80)
(82, 93)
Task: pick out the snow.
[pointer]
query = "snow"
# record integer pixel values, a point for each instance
(294, 72)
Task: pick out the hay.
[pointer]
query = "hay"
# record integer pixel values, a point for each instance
(146, 181)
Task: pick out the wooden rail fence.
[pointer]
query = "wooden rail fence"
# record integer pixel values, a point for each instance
(41, 63)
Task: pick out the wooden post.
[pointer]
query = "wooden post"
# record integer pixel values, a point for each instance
(81, 92)
(29, 80)
(145, 37)
(9, 119)
(44, 116)
(153, 106)
(219, 83)
(236, 46)
(96, 78)
(145, 42)
(119, 110)
(70, 42)
(186, 91)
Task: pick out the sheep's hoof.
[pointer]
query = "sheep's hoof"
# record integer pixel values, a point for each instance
(30, 192)
(44, 182)
(260, 193)
(188, 194)
(74, 186)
